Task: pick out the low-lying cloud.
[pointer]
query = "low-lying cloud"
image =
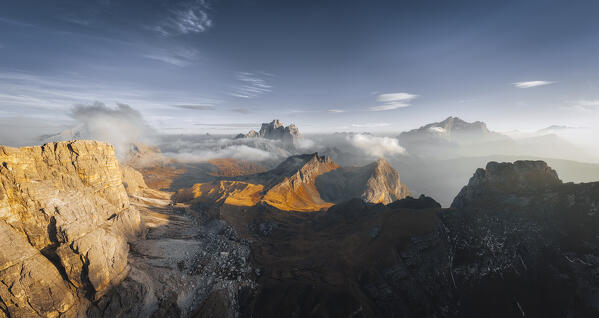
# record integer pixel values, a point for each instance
(376, 146)
(198, 148)
(121, 126)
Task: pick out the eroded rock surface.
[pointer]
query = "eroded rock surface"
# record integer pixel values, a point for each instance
(66, 219)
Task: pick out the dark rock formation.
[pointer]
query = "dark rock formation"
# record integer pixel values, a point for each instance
(377, 182)
(532, 242)
(518, 243)
(518, 177)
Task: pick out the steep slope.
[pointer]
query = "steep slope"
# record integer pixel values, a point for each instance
(294, 189)
(354, 260)
(65, 218)
(303, 183)
(519, 232)
(377, 182)
(289, 186)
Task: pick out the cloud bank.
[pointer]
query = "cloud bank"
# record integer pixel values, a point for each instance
(376, 146)
(120, 126)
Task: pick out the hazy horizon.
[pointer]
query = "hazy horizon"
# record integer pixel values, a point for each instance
(197, 66)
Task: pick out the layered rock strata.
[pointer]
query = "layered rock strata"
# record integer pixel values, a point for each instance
(65, 219)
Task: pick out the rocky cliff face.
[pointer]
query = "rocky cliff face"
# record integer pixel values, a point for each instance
(297, 189)
(277, 131)
(517, 231)
(65, 219)
(377, 182)
(290, 186)
(524, 177)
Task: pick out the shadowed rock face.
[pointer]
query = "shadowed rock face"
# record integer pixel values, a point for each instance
(65, 219)
(520, 234)
(520, 176)
(377, 182)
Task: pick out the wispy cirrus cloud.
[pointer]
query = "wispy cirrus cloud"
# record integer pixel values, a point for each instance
(393, 101)
(175, 56)
(53, 95)
(530, 84)
(336, 111)
(195, 107)
(186, 18)
(251, 85)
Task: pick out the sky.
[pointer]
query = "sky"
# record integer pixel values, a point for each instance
(224, 66)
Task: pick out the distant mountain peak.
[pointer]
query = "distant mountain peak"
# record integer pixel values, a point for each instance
(275, 130)
(452, 130)
(451, 125)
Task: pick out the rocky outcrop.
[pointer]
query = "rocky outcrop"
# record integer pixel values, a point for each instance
(290, 186)
(66, 219)
(297, 189)
(277, 131)
(136, 187)
(377, 182)
(520, 177)
(517, 231)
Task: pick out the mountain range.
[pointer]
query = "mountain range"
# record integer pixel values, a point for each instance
(302, 183)
(87, 234)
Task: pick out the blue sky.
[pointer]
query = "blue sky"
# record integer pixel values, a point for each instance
(381, 66)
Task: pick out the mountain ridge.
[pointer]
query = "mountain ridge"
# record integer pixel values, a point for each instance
(299, 183)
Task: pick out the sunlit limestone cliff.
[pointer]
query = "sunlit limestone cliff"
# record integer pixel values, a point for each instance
(65, 219)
